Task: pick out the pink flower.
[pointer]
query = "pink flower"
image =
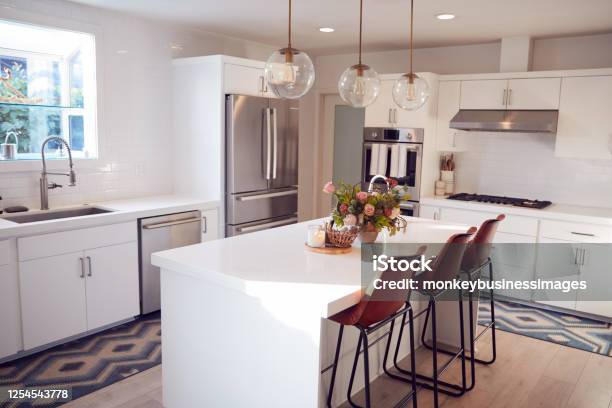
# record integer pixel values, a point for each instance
(388, 212)
(369, 210)
(343, 209)
(350, 220)
(362, 196)
(329, 188)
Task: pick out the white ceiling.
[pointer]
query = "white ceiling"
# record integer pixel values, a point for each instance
(385, 22)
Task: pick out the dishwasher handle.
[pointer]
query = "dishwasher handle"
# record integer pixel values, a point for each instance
(170, 223)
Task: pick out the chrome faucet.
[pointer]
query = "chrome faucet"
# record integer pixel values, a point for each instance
(45, 186)
(376, 177)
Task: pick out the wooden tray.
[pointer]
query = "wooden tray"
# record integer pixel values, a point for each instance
(329, 250)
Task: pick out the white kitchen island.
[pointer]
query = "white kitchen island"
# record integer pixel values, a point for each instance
(243, 318)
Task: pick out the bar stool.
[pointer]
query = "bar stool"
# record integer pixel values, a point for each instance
(446, 266)
(476, 258)
(368, 316)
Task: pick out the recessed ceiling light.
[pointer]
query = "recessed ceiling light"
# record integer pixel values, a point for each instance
(326, 30)
(445, 16)
(122, 52)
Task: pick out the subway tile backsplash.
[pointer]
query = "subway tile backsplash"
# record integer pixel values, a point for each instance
(523, 165)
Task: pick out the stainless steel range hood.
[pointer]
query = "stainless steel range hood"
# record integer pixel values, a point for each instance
(526, 121)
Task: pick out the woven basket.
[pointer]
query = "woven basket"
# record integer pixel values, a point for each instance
(341, 239)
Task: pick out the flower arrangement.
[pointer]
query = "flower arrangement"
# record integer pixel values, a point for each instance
(369, 211)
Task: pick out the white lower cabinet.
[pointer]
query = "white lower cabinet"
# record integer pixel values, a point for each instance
(89, 282)
(112, 287)
(557, 261)
(513, 258)
(210, 225)
(596, 264)
(53, 300)
(430, 212)
(10, 317)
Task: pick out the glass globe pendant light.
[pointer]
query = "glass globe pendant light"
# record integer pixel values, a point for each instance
(359, 85)
(410, 92)
(289, 72)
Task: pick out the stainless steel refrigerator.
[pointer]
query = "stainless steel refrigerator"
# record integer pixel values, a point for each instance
(261, 177)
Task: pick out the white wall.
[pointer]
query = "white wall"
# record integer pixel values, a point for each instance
(523, 165)
(136, 115)
(594, 51)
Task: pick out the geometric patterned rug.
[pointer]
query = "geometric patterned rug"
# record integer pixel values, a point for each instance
(88, 364)
(561, 328)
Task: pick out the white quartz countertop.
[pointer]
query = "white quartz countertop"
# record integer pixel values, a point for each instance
(122, 211)
(274, 266)
(562, 212)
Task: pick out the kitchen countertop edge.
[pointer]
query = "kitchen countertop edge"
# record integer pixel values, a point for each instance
(122, 211)
(559, 212)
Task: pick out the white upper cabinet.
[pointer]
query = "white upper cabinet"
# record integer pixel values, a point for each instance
(246, 80)
(533, 93)
(484, 94)
(383, 112)
(584, 129)
(447, 139)
(520, 93)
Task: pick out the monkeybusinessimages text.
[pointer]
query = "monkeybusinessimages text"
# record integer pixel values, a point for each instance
(384, 263)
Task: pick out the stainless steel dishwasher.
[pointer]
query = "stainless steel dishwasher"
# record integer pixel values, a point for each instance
(159, 234)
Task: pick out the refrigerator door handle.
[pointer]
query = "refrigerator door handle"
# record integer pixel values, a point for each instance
(268, 143)
(267, 225)
(267, 195)
(275, 157)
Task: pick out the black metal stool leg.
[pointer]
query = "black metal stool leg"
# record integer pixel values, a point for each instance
(460, 388)
(472, 342)
(434, 340)
(366, 368)
(492, 324)
(350, 387)
(412, 357)
(335, 367)
(462, 342)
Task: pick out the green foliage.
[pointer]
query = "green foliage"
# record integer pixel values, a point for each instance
(377, 209)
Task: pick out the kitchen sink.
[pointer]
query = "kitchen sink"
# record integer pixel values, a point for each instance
(55, 214)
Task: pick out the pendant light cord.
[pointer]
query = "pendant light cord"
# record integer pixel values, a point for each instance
(411, 35)
(360, 27)
(289, 25)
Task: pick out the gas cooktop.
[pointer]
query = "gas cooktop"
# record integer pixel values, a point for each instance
(517, 202)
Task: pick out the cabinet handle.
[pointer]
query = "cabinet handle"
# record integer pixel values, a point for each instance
(82, 267)
(576, 256)
(582, 256)
(505, 97)
(510, 97)
(395, 116)
(205, 230)
(90, 271)
(584, 234)
(390, 118)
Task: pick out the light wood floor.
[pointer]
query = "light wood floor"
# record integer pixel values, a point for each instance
(528, 373)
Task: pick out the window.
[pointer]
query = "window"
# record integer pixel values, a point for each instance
(47, 88)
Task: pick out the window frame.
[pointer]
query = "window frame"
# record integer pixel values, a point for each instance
(95, 94)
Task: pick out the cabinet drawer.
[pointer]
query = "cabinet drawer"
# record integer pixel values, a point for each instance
(512, 224)
(41, 246)
(4, 253)
(570, 231)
